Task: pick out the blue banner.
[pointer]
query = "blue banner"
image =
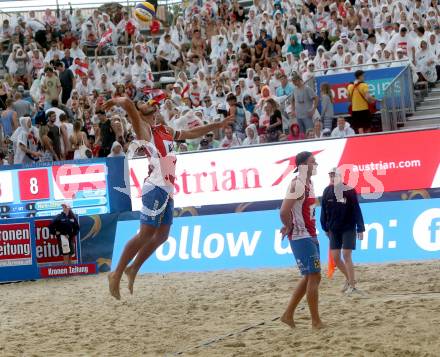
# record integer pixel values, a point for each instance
(377, 80)
(97, 239)
(396, 231)
(119, 197)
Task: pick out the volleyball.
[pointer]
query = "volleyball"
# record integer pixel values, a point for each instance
(144, 12)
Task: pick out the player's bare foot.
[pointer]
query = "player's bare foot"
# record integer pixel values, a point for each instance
(318, 325)
(113, 286)
(131, 275)
(288, 320)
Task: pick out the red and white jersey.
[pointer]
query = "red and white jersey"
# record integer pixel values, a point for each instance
(162, 159)
(303, 211)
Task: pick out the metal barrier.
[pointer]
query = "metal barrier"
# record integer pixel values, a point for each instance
(363, 66)
(398, 100)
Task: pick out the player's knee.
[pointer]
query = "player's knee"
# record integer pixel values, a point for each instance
(347, 255)
(337, 257)
(161, 238)
(146, 232)
(314, 279)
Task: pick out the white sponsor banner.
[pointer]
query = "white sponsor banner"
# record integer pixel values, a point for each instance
(251, 174)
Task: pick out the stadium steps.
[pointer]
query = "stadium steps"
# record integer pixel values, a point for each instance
(422, 122)
(427, 114)
(435, 97)
(430, 105)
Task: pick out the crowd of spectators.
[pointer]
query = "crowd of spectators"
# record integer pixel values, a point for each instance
(216, 59)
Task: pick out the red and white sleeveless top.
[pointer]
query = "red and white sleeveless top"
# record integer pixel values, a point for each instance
(162, 159)
(303, 212)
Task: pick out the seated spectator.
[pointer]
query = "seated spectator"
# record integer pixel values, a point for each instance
(54, 51)
(230, 139)
(76, 52)
(89, 38)
(294, 133)
(167, 53)
(275, 127)
(116, 150)
(212, 142)
(3, 161)
(317, 130)
(252, 137)
(84, 87)
(426, 63)
(204, 144)
(342, 129)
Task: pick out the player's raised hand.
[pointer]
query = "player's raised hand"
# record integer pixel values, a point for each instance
(109, 104)
(227, 121)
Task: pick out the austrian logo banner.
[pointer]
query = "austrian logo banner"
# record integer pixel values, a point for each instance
(372, 164)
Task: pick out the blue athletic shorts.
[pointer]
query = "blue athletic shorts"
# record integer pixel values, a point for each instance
(306, 252)
(157, 207)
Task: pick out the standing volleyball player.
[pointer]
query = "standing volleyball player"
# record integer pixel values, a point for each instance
(341, 219)
(298, 217)
(157, 192)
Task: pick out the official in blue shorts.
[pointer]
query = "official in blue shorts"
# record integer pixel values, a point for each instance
(342, 221)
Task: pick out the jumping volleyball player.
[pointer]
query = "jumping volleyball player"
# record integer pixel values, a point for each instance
(157, 192)
(298, 217)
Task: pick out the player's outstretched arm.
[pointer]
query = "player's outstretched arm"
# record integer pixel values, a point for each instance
(140, 127)
(202, 130)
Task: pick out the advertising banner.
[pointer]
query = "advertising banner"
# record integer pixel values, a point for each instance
(68, 270)
(372, 164)
(47, 249)
(377, 80)
(395, 231)
(17, 250)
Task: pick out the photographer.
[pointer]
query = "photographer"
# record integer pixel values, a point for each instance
(65, 226)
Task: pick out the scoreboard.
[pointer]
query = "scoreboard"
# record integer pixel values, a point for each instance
(38, 191)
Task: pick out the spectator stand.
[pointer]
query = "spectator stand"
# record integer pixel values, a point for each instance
(203, 23)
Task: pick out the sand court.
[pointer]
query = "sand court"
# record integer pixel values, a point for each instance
(226, 313)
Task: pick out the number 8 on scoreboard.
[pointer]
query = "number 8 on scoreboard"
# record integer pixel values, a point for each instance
(34, 184)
